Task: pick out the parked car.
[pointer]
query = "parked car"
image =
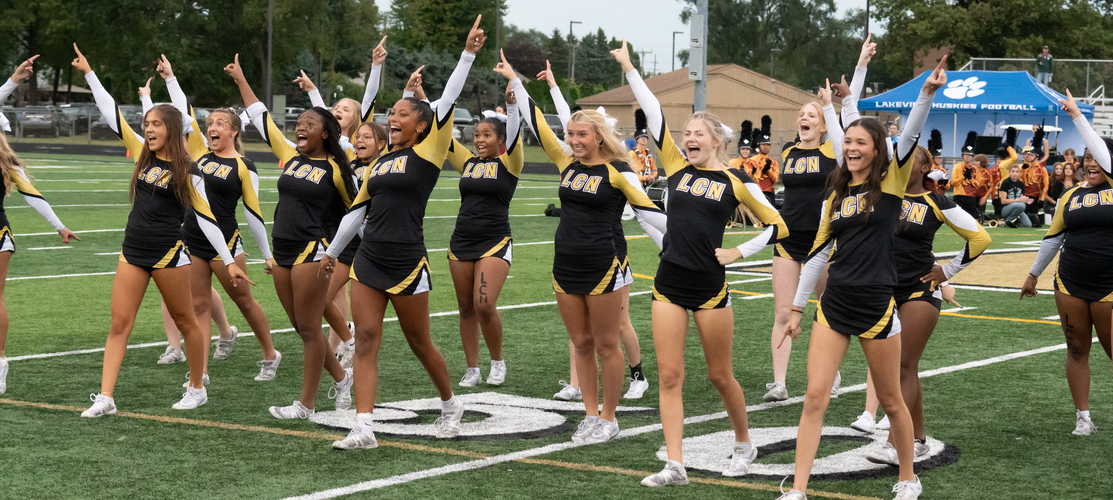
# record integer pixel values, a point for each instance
(292, 115)
(76, 118)
(41, 121)
(133, 115)
(463, 124)
(554, 123)
(202, 116)
(13, 118)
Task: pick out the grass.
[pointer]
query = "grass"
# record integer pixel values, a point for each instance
(1011, 421)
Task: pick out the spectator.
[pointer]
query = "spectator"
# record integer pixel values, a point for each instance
(965, 178)
(1013, 200)
(1070, 176)
(894, 132)
(640, 160)
(763, 169)
(1040, 147)
(1035, 179)
(745, 147)
(984, 179)
(1055, 188)
(1044, 69)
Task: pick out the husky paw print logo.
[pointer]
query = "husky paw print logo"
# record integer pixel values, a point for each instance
(961, 89)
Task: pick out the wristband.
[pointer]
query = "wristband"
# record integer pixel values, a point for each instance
(801, 311)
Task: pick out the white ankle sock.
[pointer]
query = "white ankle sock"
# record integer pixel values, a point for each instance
(363, 422)
(1083, 413)
(745, 447)
(473, 369)
(448, 405)
(500, 362)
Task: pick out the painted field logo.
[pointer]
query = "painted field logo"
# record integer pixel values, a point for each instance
(711, 453)
(502, 416)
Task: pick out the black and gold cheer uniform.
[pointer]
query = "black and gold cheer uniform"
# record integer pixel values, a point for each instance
(349, 254)
(153, 235)
(22, 184)
(486, 189)
(586, 259)
(921, 216)
(227, 180)
(392, 199)
(805, 179)
(312, 198)
(1080, 233)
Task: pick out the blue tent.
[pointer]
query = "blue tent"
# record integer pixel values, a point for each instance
(982, 101)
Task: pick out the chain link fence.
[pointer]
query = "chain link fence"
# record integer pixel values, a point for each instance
(1084, 77)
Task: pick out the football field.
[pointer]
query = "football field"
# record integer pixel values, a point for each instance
(997, 409)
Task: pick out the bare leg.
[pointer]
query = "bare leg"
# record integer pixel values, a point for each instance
(918, 320)
(825, 352)
(5, 258)
(200, 280)
(463, 274)
(871, 396)
(1074, 315)
(252, 312)
(670, 329)
(175, 286)
(716, 331)
(413, 317)
(786, 277)
(490, 276)
(128, 287)
(368, 309)
(883, 357)
(603, 320)
(338, 308)
(574, 374)
(626, 330)
(173, 336)
(573, 310)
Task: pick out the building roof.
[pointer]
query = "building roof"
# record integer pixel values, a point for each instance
(678, 79)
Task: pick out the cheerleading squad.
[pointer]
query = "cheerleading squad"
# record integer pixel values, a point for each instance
(352, 198)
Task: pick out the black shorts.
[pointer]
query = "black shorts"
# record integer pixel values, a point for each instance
(587, 274)
(7, 243)
(796, 246)
(1087, 292)
(867, 312)
(349, 254)
(203, 249)
(289, 253)
(467, 249)
(918, 291)
(150, 259)
(396, 270)
(692, 290)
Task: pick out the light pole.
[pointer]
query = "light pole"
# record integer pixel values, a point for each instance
(674, 48)
(572, 51)
(771, 51)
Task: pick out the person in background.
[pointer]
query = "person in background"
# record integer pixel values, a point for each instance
(1038, 142)
(763, 169)
(1055, 187)
(1006, 156)
(1013, 200)
(965, 178)
(1035, 179)
(1045, 67)
(1070, 157)
(935, 147)
(1070, 176)
(894, 133)
(641, 161)
(745, 147)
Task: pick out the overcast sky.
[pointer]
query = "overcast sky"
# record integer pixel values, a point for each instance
(648, 24)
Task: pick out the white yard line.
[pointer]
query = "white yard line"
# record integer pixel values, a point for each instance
(50, 248)
(543, 450)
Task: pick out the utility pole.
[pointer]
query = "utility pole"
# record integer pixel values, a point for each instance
(674, 48)
(270, 50)
(697, 56)
(572, 51)
(654, 64)
(641, 58)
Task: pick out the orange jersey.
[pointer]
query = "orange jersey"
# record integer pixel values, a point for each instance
(642, 163)
(964, 186)
(1035, 181)
(764, 179)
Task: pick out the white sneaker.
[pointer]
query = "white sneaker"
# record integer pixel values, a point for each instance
(102, 405)
(342, 392)
(448, 425)
(471, 377)
(908, 490)
(741, 458)
(887, 455)
(192, 399)
(883, 424)
(171, 356)
(356, 440)
(835, 386)
(777, 392)
(3, 375)
(346, 352)
(567, 392)
(267, 369)
(792, 495)
(224, 346)
(864, 423)
(1083, 426)
(919, 448)
(604, 430)
(638, 386)
(497, 375)
(204, 380)
(584, 429)
(673, 473)
(294, 411)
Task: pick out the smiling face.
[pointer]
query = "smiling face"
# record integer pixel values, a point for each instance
(405, 124)
(310, 134)
(699, 143)
(582, 139)
(487, 140)
(859, 151)
(222, 133)
(346, 113)
(744, 152)
(1057, 170)
(367, 148)
(1093, 173)
(810, 124)
(154, 130)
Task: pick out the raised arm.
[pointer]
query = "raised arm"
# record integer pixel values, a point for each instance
(258, 111)
(177, 96)
(378, 56)
(831, 119)
(455, 83)
(555, 149)
(23, 71)
(1094, 142)
(107, 105)
(672, 160)
(562, 109)
(918, 116)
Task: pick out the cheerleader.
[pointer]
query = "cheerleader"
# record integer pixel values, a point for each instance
(629, 337)
(588, 275)
(315, 188)
(1079, 233)
(807, 165)
(166, 183)
(861, 214)
(15, 175)
(921, 288)
(704, 194)
(392, 265)
(480, 250)
(229, 177)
